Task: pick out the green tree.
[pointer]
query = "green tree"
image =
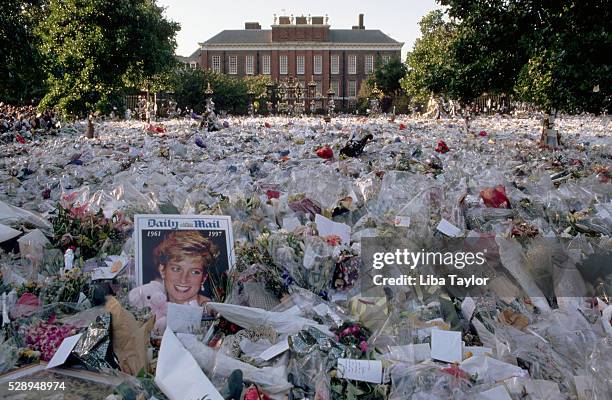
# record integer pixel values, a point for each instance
(96, 48)
(387, 76)
(551, 53)
(21, 74)
(429, 63)
(230, 93)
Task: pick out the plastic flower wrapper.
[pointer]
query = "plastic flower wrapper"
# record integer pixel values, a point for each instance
(427, 381)
(9, 354)
(94, 348)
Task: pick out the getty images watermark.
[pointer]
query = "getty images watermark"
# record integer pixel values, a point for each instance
(407, 259)
(481, 266)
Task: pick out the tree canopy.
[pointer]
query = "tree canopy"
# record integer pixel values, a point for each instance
(21, 76)
(550, 53)
(429, 65)
(95, 48)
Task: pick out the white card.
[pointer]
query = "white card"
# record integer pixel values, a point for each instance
(448, 229)
(446, 345)
(275, 350)
(178, 374)
(497, 393)
(291, 223)
(62, 352)
(327, 227)
(467, 308)
(401, 220)
(360, 370)
(183, 318)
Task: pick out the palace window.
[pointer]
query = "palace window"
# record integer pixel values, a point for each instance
(265, 65)
(369, 64)
(249, 65)
(386, 59)
(335, 85)
(216, 63)
(319, 88)
(317, 65)
(335, 65)
(282, 65)
(233, 65)
(300, 65)
(352, 64)
(352, 89)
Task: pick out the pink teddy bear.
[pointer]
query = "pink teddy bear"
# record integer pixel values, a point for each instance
(152, 295)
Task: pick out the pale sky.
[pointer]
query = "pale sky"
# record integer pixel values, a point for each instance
(200, 19)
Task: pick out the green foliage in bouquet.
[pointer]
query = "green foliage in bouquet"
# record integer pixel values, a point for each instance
(92, 233)
(29, 287)
(66, 288)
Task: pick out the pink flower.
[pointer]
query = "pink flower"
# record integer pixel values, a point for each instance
(363, 346)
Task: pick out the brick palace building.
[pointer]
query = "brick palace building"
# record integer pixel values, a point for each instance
(303, 47)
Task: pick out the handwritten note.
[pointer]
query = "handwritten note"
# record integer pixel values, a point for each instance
(183, 318)
(360, 370)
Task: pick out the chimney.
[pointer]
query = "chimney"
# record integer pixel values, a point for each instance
(284, 20)
(360, 26)
(252, 25)
(301, 20)
(316, 20)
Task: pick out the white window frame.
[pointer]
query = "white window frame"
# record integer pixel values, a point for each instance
(265, 65)
(369, 64)
(215, 63)
(335, 85)
(352, 64)
(283, 63)
(319, 88)
(386, 59)
(335, 64)
(317, 65)
(300, 65)
(352, 89)
(249, 65)
(232, 65)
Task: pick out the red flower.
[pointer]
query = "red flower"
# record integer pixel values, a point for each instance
(272, 194)
(482, 133)
(402, 127)
(325, 152)
(457, 372)
(442, 147)
(333, 240)
(253, 393)
(20, 138)
(267, 125)
(495, 197)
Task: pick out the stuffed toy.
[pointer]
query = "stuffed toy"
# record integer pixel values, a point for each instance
(152, 295)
